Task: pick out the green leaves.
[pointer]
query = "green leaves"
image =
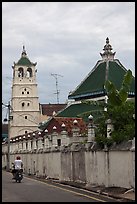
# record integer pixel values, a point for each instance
(124, 124)
(116, 97)
(123, 92)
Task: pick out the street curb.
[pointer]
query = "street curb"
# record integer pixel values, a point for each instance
(77, 185)
(97, 191)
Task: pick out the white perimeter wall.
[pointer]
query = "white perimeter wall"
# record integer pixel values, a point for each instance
(110, 168)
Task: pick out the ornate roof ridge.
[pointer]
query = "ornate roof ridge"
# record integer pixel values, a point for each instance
(107, 54)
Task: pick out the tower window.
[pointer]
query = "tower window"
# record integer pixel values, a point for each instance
(23, 104)
(26, 131)
(29, 72)
(28, 104)
(25, 117)
(25, 89)
(27, 92)
(22, 92)
(20, 72)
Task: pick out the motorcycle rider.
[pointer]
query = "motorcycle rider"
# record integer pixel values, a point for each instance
(18, 165)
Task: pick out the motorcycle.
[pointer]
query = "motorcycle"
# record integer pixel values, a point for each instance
(19, 175)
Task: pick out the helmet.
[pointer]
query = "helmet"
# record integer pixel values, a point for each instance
(18, 157)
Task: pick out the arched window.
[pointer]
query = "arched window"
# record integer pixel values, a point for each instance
(23, 104)
(20, 72)
(29, 72)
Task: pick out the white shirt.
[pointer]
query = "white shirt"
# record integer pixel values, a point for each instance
(18, 164)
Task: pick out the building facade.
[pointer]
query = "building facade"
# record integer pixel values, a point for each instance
(92, 87)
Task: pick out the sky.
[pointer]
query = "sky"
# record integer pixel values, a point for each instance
(65, 39)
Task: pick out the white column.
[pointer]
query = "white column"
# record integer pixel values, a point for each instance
(91, 133)
(40, 145)
(34, 143)
(75, 132)
(24, 143)
(14, 145)
(64, 138)
(110, 127)
(11, 147)
(46, 142)
(29, 144)
(44, 138)
(20, 145)
(91, 130)
(133, 145)
(17, 145)
(54, 139)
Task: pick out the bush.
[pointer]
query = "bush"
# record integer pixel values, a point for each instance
(102, 140)
(124, 124)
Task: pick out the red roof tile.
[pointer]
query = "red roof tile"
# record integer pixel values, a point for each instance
(58, 121)
(48, 109)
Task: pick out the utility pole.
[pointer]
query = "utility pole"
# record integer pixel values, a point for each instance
(8, 158)
(57, 91)
(8, 138)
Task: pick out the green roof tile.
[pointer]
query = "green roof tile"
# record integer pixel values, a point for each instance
(93, 85)
(76, 110)
(116, 73)
(93, 82)
(24, 61)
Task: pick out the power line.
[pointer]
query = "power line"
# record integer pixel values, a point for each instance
(19, 114)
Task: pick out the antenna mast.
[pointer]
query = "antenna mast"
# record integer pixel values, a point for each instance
(57, 90)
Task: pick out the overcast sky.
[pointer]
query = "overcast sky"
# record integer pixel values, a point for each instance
(64, 38)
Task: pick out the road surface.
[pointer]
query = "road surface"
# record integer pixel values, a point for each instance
(31, 190)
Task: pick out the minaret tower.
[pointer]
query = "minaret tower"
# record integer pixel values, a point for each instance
(25, 110)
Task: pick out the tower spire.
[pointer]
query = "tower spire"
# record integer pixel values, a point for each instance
(24, 52)
(107, 54)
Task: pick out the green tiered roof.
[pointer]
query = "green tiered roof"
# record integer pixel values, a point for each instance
(24, 60)
(81, 110)
(106, 69)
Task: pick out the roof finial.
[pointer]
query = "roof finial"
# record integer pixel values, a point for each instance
(23, 47)
(24, 52)
(107, 40)
(108, 54)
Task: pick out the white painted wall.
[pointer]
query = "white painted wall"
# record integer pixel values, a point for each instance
(113, 168)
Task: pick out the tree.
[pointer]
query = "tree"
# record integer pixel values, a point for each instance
(115, 97)
(120, 111)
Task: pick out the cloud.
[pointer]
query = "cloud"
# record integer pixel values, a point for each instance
(64, 38)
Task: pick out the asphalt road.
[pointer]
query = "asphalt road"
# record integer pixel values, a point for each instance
(31, 190)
